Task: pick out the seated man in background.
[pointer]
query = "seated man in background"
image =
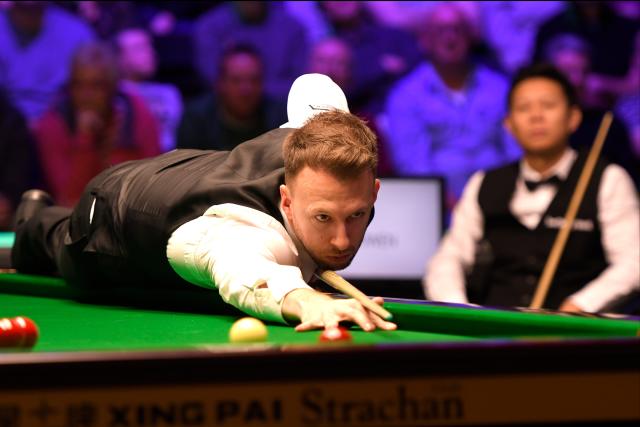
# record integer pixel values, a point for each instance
(93, 126)
(236, 109)
(507, 220)
(255, 223)
(138, 63)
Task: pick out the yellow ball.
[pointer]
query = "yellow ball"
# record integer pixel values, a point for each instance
(248, 329)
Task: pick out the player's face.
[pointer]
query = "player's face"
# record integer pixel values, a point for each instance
(540, 118)
(329, 215)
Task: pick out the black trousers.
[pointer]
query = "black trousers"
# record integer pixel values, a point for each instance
(53, 241)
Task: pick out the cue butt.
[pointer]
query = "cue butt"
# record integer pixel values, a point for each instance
(332, 279)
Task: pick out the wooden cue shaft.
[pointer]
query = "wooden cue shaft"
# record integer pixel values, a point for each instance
(332, 279)
(561, 238)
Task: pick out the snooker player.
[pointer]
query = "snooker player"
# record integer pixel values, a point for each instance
(256, 222)
(505, 224)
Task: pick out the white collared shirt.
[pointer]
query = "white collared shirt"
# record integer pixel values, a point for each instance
(251, 258)
(618, 217)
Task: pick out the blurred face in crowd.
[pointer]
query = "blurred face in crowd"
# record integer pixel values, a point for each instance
(332, 57)
(136, 56)
(240, 85)
(446, 36)
(92, 88)
(574, 65)
(328, 214)
(540, 117)
(342, 12)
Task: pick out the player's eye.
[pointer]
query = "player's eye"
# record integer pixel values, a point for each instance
(322, 217)
(359, 214)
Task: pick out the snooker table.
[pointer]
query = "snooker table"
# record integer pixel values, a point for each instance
(128, 357)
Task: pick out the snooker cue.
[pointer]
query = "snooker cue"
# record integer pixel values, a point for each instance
(332, 279)
(563, 234)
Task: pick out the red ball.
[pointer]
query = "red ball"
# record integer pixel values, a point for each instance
(29, 330)
(18, 332)
(10, 334)
(338, 334)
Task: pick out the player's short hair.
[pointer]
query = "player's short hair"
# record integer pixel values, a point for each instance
(335, 141)
(545, 71)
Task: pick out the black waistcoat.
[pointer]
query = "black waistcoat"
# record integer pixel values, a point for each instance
(140, 203)
(518, 254)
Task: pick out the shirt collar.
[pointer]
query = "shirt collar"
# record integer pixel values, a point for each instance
(561, 169)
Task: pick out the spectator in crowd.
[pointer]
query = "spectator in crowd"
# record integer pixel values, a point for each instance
(506, 222)
(37, 41)
(18, 161)
(381, 55)
(279, 38)
(571, 55)
(236, 109)
(445, 117)
(628, 105)
(610, 38)
(333, 57)
(93, 126)
(137, 62)
(510, 28)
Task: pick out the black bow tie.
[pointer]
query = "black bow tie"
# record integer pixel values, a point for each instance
(553, 180)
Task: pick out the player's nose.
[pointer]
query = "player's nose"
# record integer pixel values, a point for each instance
(340, 238)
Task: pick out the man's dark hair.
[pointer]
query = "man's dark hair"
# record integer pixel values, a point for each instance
(543, 71)
(234, 49)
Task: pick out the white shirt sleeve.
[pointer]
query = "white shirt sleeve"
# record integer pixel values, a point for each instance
(446, 271)
(249, 259)
(619, 218)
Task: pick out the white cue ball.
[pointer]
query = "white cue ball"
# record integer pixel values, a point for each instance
(248, 329)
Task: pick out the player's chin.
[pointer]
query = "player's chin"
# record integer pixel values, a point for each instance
(337, 262)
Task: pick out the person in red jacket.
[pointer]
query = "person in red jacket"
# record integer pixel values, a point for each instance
(94, 125)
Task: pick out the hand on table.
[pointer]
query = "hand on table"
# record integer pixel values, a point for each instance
(316, 311)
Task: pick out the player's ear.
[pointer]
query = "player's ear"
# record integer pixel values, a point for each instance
(575, 118)
(506, 122)
(376, 188)
(285, 196)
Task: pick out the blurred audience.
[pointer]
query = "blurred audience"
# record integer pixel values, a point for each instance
(572, 56)
(236, 109)
(510, 28)
(628, 105)
(445, 118)
(278, 37)
(137, 61)
(93, 126)
(18, 161)
(610, 38)
(37, 41)
(381, 55)
(107, 17)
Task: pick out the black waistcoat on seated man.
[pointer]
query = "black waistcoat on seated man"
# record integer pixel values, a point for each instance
(140, 203)
(508, 276)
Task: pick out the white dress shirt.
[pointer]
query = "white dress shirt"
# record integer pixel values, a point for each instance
(251, 258)
(618, 217)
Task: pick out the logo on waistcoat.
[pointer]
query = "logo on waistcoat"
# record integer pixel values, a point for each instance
(578, 224)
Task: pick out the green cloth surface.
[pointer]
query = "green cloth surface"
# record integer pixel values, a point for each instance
(134, 319)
